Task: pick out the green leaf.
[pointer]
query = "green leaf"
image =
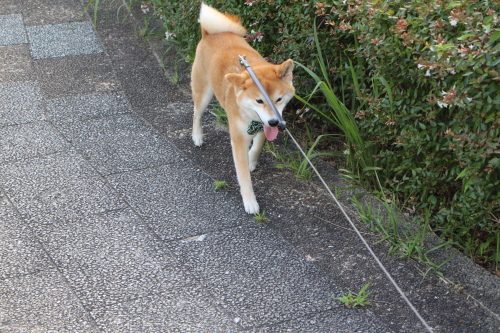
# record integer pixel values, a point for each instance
(372, 169)
(462, 174)
(454, 4)
(494, 37)
(464, 37)
(495, 162)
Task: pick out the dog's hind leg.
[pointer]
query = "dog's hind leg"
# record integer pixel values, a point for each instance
(254, 153)
(202, 95)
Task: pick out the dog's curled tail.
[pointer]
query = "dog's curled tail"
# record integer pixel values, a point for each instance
(212, 22)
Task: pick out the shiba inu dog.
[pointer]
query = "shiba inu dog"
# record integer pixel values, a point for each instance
(217, 70)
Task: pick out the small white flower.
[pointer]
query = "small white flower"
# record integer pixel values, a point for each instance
(169, 35)
(442, 104)
(259, 39)
(453, 21)
(428, 73)
(468, 99)
(420, 66)
(144, 7)
(344, 2)
(346, 152)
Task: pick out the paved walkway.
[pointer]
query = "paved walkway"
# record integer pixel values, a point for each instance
(109, 221)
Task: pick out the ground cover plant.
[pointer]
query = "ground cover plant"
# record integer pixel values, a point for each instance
(421, 81)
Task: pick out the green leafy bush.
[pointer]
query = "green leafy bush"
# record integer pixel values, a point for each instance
(421, 78)
(436, 128)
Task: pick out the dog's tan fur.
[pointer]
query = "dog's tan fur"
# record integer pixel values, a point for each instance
(217, 70)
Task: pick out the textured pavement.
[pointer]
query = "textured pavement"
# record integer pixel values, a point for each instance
(109, 221)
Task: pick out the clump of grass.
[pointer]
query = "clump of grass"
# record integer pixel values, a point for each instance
(220, 184)
(352, 300)
(358, 157)
(295, 161)
(220, 114)
(261, 216)
(405, 239)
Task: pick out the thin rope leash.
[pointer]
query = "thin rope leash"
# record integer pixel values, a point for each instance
(422, 320)
(382, 267)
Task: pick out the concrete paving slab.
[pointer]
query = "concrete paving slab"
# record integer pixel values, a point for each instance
(146, 86)
(257, 276)
(168, 119)
(109, 258)
(76, 75)
(16, 64)
(62, 40)
(142, 80)
(119, 143)
(347, 321)
(182, 309)
(62, 184)
(20, 102)
(215, 153)
(29, 140)
(106, 25)
(128, 51)
(47, 12)
(178, 200)
(12, 30)
(20, 253)
(41, 302)
(62, 111)
(10, 7)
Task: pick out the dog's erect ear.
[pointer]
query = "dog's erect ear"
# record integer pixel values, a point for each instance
(237, 79)
(284, 71)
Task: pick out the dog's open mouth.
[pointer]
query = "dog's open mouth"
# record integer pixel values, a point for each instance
(271, 132)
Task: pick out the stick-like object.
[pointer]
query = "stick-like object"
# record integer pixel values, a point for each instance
(245, 63)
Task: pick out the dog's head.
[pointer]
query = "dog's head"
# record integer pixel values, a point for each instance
(276, 80)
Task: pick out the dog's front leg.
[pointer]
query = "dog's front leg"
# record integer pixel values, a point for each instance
(240, 142)
(255, 151)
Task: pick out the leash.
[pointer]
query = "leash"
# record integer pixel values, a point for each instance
(382, 267)
(283, 124)
(245, 63)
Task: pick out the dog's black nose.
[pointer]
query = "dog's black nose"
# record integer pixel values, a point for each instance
(273, 122)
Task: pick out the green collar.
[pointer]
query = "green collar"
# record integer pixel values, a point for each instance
(254, 127)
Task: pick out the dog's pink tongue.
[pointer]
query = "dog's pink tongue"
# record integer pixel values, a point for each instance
(271, 132)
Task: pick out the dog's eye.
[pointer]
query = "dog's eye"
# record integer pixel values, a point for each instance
(259, 101)
(279, 99)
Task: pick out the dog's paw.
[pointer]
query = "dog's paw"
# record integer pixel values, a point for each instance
(252, 166)
(251, 206)
(198, 139)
